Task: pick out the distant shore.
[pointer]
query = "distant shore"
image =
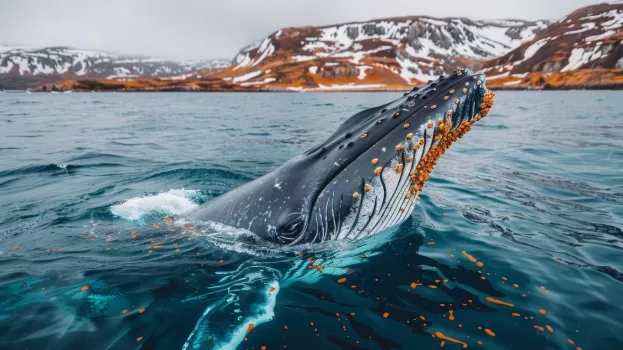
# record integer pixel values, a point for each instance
(589, 79)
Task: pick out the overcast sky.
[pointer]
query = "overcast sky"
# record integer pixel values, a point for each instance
(219, 28)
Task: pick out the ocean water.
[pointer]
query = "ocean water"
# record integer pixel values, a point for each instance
(517, 241)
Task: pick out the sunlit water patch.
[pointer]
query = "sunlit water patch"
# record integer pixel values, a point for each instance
(516, 242)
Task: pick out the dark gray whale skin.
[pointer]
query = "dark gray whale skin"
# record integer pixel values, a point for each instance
(290, 205)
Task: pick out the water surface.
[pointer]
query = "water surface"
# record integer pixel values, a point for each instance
(90, 185)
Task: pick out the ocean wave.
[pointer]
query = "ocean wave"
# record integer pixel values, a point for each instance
(172, 202)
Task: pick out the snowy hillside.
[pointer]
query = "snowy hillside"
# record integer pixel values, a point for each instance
(412, 48)
(589, 38)
(26, 67)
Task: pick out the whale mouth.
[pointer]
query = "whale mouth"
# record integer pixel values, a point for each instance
(449, 128)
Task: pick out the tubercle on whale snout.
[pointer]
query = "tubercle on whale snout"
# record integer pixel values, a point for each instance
(429, 161)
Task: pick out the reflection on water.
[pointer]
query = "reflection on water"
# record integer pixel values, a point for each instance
(516, 242)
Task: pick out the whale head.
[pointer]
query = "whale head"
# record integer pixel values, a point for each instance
(377, 162)
(367, 176)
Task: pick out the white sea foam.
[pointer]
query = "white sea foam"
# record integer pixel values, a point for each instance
(173, 202)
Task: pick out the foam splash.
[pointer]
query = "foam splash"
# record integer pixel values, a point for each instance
(172, 202)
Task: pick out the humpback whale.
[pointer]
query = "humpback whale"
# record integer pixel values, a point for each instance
(366, 177)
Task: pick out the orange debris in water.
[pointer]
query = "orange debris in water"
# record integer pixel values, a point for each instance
(406, 126)
(432, 286)
(367, 187)
(398, 168)
(386, 315)
(355, 195)
(443, 342)
(516, 285)
(168, 220)
(479, 264)
(469, 257)
(15, 248)
(84, 288)
(263, 347)
(570, 341)
(272, 289)
(489, 332)
(158, 246)
(378, 171)
(250, 327)
(542, 312)
(451, 317)
(549, 328)
(414, 285)
(539, 328)
(433, 107)
(124, 311)
(442, 336)
(409, 136)
(479, 342)
(430, 124)
(141, 311)
(341, 280)
(499, 302)
(139, 339)
(399, 147)
(374, 161)
(516, 314)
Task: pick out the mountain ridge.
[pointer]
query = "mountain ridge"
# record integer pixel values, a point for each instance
(396, 53)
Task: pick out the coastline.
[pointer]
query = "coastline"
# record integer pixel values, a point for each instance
(588, 79)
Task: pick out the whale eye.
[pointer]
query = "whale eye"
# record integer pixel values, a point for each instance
(292, 228)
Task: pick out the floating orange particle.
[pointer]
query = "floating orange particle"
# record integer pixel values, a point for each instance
(414, 285)
(378, 171)
(386, 315)
(263, 347)
(542, 312)
(480, 264)
(250, 327)
(139, 339)
(498, 301)
(124, 311)
(442, 336)
(272, 289)
(516, 285)
(539, 328)
(367, 187)
(549, 328)
(84, 288)
(451, 317)
(406, 126)
(489, 332)
(516, 314)
(341, 280)
(355, 195)
(141, 311)
(409, 136)
(469, 257)
(374, 161)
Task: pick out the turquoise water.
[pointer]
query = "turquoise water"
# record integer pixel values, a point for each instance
(89, 257)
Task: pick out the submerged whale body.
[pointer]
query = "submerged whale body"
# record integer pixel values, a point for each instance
(366, 177)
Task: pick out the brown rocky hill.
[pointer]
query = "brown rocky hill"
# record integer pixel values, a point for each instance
(384, 54)
(379, 54)
(581, 50)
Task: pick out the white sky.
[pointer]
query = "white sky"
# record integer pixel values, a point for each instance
(195, 29)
